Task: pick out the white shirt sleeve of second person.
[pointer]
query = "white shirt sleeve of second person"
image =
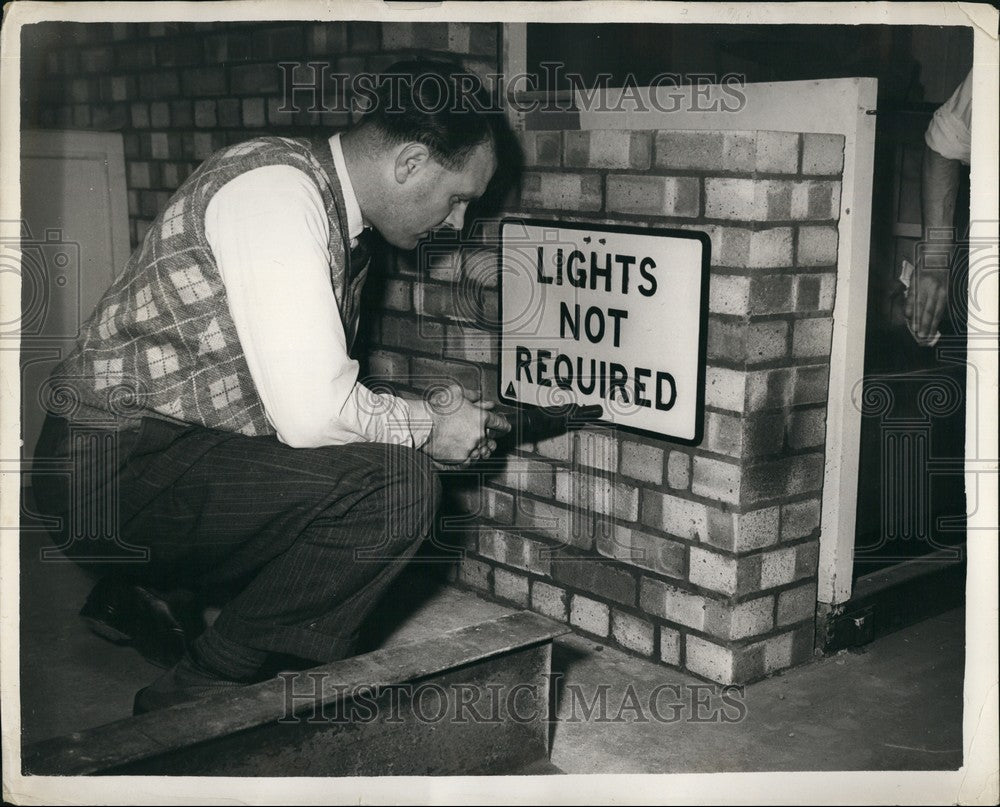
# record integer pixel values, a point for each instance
(268, 231)
(950, 130)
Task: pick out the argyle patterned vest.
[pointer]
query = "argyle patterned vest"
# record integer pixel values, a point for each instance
(161, 342)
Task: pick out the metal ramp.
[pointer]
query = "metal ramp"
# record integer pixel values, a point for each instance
(475, 700)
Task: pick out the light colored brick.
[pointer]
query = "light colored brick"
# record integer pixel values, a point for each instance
(683, 517)
(709, 660)
(653, 195)
(797, 604)
(529, 475)
(715, 479)
(817, 246)
(770, 248)
(499, 506)
(777, 652)
(670, 646)
(714, 571)
(598, 494)
(632, 632)
(799, 519)
(475, 573)
(511, 587)
(812, 337)
(771, 199)
(641, 461)
(725, 388)
(827, 291)
(777, 152)
(729, 294)
(822, 154)
(577, 192)
(559, 447)
(595, 450)
(668, 602)
(723, 434)
(679, 470)
(730, 245)
(642, 549)
(751, 618)
(565, 527)
(514, 550)
(747, 199)
(777, 568)
(607, 148)
(724, 151)
(756, 529)
(589, 615)
(550, 601)
(766, 341)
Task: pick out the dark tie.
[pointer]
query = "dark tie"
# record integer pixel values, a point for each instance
(361, 253)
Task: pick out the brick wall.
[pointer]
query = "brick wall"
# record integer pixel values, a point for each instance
(179, 91)
(703, 558)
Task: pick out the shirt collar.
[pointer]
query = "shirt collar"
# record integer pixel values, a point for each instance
(355, 221)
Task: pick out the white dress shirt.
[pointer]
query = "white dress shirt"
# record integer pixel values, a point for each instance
(269, 232)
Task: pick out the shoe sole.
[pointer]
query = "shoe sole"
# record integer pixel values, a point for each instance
(105, 631)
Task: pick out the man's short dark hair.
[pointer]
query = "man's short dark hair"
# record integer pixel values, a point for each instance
(437, 103)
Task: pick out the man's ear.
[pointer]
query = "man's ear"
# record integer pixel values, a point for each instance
(410, 160)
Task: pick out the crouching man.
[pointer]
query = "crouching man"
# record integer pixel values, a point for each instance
(211, 411)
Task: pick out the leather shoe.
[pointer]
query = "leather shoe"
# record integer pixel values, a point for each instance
(185, 681)
(126, 612)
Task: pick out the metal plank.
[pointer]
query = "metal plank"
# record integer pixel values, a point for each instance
(228, 713)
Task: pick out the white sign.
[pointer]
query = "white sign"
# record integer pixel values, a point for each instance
(606, 315)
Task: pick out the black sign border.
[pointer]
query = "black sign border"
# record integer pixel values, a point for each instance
(706, 260)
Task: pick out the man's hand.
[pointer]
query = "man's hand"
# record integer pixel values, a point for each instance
(927, 300)
(928, 294)
(458, 429)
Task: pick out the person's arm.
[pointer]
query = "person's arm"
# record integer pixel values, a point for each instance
(927, 300)
(268, 231)
(948, 142)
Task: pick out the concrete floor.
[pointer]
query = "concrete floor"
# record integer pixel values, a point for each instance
(894, 705)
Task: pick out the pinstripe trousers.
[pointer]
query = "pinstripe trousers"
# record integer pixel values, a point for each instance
(298, 544)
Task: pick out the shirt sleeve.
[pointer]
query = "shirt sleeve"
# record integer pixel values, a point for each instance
(950, 130)
(268, 231)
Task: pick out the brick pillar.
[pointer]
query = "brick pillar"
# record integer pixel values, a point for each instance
(703, 558)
